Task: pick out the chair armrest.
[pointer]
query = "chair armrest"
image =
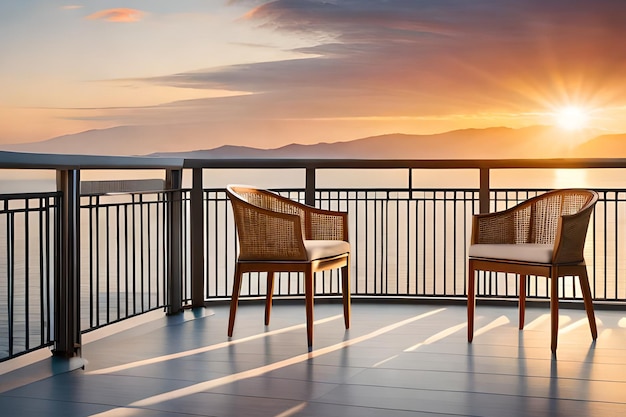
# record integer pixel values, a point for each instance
(326, 224)
(569, 243)
(269, 235)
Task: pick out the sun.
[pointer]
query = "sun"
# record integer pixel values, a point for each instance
(572, 118)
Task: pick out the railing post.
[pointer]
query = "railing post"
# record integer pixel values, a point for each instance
(197, 239)
(309, 191)
(484, 192)
(67, 334)
(173, 183)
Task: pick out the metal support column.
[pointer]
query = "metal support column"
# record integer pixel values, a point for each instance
(173, 183)
(197, 239)
(484, 193)
(309, 192)
(67, 335)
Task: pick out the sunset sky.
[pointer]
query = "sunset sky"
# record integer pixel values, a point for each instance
(265, 73)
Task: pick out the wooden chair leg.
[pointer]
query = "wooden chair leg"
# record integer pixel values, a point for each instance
(234, 299)
(268, 297)
(584, 286)
(471, 302)
(308, 295)
(522, 300)
(345, 285)
(554, 310)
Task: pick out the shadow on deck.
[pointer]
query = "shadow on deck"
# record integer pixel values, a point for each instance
(396, 360)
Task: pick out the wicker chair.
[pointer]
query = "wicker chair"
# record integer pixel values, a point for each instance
(543, 236)
(277, 234)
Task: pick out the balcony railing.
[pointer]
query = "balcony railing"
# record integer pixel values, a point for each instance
(413, 244)
(29, 226)
(97, 252)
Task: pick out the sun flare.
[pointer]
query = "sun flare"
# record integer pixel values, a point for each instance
(571, 118)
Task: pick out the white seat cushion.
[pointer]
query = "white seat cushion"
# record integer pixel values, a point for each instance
(319, 249)
(526, 252)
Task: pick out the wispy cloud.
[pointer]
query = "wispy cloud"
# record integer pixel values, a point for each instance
(122, 15)
(408, 65)
(437, 55)
(72, 7)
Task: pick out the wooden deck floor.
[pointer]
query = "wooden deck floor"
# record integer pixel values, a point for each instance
(397, 360)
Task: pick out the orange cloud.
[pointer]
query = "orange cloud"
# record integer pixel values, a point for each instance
(117, 15)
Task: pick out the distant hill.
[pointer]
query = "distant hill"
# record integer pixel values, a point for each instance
(602, 147)
(489, 143)
(113, 141)
(120, 140)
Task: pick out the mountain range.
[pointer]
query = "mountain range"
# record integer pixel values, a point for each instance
(488, 143)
